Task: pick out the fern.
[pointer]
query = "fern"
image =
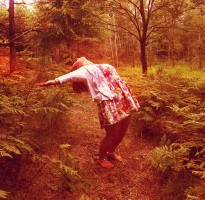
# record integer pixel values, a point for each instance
(4, 153)
(175, 109)
(59, 163)
(24, 112)
(45, 110)
(4, 194)
(169, 157)
(62, 146)
(10, 144)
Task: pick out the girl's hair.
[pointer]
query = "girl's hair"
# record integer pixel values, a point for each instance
(80, 62)
(79, 87)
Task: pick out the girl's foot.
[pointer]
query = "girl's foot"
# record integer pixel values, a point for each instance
(105, 163)
(114, 156)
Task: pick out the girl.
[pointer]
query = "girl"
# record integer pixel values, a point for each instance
(114, 99)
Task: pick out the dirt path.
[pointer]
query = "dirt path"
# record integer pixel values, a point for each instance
(133, 179)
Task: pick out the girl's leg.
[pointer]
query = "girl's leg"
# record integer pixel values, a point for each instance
(114, 135)
(107, 144)
(109, 140)
(119, 135)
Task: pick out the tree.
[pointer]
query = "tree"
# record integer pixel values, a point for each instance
(12, 36)
(137, 16)
(11, 32)
(64, 27)
(182, 37)
(142, 18)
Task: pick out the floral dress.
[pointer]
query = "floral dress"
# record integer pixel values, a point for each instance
(123, 103)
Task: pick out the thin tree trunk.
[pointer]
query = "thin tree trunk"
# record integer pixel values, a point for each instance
(12, 62)
(201, 43)
(143, 56)
(111, 45)
(173, 52)
(57, 55)
(134, 53)
(116, 51)
(115, 45)
(200, 51)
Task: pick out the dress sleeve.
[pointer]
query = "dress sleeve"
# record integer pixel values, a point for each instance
(77, 75)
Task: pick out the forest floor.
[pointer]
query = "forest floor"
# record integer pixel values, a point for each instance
(132, 179)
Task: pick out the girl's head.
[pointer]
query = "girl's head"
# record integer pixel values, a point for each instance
(79, 87)
(80, 62)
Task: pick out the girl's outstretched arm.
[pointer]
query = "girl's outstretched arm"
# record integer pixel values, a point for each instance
(50, 82)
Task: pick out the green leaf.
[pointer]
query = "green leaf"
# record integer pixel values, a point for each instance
(4, 153)
(62, 146)
(4, 194)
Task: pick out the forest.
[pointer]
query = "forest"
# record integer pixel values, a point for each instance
(49, 136)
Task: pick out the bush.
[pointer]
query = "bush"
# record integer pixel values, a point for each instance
(28, 115)
(173, 105)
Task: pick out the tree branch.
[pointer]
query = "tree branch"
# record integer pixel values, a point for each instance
(164, 22)
(99, 24)
(131, 16)
(16, 38)
(2, 25)
(150, 7)
(23, 3)
(134, 4)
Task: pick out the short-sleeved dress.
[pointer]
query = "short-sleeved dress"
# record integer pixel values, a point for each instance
(123, 103)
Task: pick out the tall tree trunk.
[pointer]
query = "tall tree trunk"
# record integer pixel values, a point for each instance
(143, 55)
(116, 51)
(143, 37)
(201, 34)
(57, 55)
(172, 52)
(133, 58)
(200, 51)
(12, 62)
(111, 46)
(116, 63)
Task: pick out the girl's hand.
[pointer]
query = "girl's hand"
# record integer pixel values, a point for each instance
(47, 83)
(41, 84)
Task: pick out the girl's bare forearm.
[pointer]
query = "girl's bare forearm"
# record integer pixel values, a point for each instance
(50, 82)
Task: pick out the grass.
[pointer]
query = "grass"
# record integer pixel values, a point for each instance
(182, 70)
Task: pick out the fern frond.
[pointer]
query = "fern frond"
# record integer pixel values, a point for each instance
(63, 106)
(64, 146)
(154, 104)
(61, 165)
(4, 153)
(4, 194)
(13, 111)
(45, 110)
(67, 169)
(9, 147)
(13, 144)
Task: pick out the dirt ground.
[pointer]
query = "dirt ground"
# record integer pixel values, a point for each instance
(132, 179)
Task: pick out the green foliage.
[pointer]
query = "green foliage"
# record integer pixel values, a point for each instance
(169, 156)
(4, 194)
(28, 115)
(173, 105)
(11, 145)
(62, 22)
(3, 24)
(173, 159)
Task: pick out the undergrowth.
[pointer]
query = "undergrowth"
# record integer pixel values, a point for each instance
(173, 107)
(29, 115)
